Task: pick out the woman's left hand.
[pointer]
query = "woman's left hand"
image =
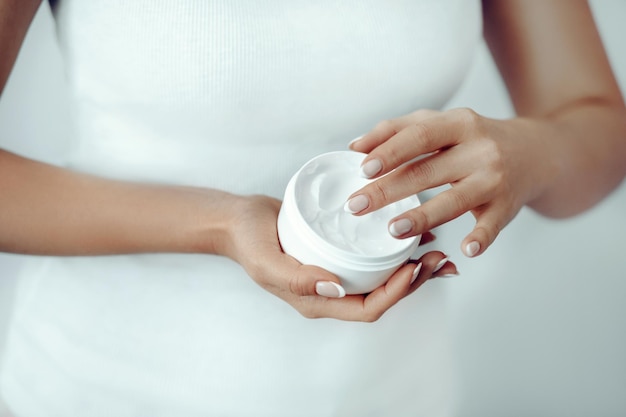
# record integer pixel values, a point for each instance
(493, 166)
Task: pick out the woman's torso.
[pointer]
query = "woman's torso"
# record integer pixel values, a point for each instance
(233, 95)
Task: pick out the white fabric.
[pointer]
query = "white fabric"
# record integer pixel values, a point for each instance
(234, 95)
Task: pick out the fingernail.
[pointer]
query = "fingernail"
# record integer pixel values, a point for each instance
(440, 264)
(329, 289)
(400, 227)
(356, 204)
(353, 141)
(472, 248)
(416, 272)
(371, 168)
(449, 275)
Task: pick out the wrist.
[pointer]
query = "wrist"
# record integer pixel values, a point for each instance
(540, 155)
(249, 225)
(212, 228)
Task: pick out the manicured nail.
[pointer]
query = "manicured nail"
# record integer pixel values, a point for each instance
(329, 289)
(472, 248)
(440, 264)
(353, 141)
(449, 275)
(416, 272)
(356, 204)
(400, 227)
(371, 168)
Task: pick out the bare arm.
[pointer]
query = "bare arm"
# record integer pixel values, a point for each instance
(554, 65)
(48, 210)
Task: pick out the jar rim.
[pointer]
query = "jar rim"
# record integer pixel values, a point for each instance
(325, 246)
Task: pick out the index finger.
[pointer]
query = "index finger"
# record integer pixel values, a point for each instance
(388, 128)
(415, 140)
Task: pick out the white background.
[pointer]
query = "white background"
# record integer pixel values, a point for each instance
(540, 327)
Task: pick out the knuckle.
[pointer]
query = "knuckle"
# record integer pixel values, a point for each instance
(308, 313)
(461, 201)
(296, 282)
(423, 113)
(422, 172)
(387, 125)
(468, 115)
(494, 157)
(421, 219)
(423, 135)
(371, 317)
(379, 193)
(472, 122)
(490, 230)
(307, 308)
(294, 285)
(493, 150)
(393, 157)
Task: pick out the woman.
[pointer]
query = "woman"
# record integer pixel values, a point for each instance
(212, 101)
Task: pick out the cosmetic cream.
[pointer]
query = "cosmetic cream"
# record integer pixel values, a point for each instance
(314, 228)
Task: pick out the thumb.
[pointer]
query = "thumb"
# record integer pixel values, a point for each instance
(312, 280)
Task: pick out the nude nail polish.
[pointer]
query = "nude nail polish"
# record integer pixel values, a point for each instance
(472, 248)
(400, 227)
(416, 272)
(329, 289)
(440, 264)
(356, 204)
(371, 168)
(353, 141)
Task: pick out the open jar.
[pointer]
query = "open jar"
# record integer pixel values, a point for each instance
(314, 228)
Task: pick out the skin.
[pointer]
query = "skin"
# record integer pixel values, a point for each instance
(53, 211)
(564, 152)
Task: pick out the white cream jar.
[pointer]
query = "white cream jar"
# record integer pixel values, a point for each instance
(314, 228)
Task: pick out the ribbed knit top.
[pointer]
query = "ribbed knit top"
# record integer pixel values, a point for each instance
(272, 77)
(236, 95)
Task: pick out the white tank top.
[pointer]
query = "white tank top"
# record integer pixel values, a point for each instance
(234, 95)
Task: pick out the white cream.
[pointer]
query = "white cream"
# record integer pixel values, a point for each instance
(322, 189)
(314, 228)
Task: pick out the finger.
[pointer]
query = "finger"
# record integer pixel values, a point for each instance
(417, 139)
(432, 265)
(445, 167)
(427, 237)
(435, 263)
(442, 208)
(444, 268)
(388, 128)
(489, 224)
(383, 298)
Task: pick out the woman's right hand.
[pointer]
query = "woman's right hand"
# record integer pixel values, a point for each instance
(313, 291)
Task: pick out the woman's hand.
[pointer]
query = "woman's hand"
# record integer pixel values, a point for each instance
(313, 291)
(564, 154)
(494, 167)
